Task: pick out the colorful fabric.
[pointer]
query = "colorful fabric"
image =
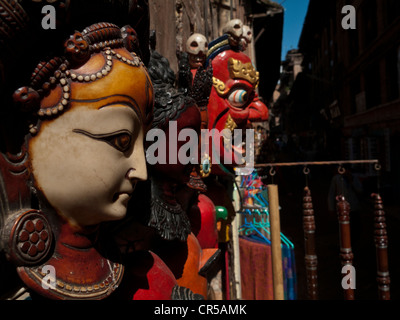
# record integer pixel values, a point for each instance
(256, 269)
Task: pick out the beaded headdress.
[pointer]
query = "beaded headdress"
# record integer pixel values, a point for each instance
(101, 38)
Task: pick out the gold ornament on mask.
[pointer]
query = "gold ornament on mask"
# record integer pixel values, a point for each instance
(245, 71)
(219, 86)
(230, 124)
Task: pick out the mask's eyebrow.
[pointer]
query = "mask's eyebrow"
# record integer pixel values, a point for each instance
(100, 136)
(109, 101)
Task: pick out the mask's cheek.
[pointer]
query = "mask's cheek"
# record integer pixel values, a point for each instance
(239, 117)
(68, 169)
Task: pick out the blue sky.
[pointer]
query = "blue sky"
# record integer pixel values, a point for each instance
(295, 12)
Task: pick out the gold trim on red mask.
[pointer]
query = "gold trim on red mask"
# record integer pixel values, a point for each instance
(245, 71)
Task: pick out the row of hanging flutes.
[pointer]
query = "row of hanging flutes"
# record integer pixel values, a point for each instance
(346, 253)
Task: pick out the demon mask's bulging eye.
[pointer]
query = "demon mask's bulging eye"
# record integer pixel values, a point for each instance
(238, 98)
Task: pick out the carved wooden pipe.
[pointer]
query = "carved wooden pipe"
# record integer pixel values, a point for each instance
(309, 244)
(381, 245)
(346, 253)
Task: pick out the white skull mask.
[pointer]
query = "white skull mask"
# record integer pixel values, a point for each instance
(247, 34)
(247, 37)
(196, 43)
(234, 28)
(196, 47)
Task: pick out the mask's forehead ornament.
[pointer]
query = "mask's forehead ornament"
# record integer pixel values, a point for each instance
(245, 71)
(105, 40)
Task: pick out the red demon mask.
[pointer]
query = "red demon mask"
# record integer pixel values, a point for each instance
(233, 102)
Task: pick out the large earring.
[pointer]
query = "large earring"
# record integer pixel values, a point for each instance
(205, 166)
(27, 238)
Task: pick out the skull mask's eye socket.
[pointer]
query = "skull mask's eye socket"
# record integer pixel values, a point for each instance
(238, 98)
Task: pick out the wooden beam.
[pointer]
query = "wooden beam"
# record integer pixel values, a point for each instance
(277, 268)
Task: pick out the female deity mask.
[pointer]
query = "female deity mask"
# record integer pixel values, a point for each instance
(90, 133)
(88, 113)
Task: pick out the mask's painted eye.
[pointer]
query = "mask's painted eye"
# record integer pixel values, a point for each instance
(238, 98)
(120, 140)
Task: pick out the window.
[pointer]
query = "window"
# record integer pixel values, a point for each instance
(373, 86)
(392, 10)
(370, 24)
(353, 43)
(392, 74)
(357, 103)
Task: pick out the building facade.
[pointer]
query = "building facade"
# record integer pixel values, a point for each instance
(350, 82)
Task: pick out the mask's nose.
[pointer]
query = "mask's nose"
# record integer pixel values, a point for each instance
(258, 111)
(138, 164)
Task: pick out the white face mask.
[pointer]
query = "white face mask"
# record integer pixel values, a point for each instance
(85, 178)
(247, 34)
(234, 27)
(87, 161)
(197, 47)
